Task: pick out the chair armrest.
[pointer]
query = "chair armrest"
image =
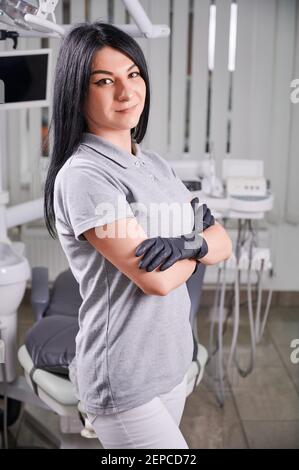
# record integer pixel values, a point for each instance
(194, 286)
(40, 294)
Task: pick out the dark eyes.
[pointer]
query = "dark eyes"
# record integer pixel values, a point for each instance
(104, 80)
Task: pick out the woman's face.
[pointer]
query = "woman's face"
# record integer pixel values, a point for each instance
(115, 84)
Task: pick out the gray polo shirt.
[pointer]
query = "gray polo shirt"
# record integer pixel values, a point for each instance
(130, 346)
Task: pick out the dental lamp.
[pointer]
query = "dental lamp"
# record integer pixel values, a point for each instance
(41, 21)
(12, 12)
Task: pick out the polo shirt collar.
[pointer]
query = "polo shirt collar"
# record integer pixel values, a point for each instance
(110, 150)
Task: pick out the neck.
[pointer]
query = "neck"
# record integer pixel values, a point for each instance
(121, 139)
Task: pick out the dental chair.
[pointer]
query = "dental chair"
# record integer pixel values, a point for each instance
(50, 347)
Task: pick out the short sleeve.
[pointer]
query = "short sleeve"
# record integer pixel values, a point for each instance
(91, 199)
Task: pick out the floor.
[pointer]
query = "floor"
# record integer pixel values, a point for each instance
(260, 411)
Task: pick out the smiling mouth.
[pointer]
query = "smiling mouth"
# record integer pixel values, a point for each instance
(127, 109)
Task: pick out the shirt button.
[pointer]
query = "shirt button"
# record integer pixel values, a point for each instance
(137, 163)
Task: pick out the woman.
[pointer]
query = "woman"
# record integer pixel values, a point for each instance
(103, 196)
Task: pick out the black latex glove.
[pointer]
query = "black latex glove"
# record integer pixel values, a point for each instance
(167, 251)
(207, 217)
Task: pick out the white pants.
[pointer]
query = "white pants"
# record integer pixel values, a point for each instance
(154, 425)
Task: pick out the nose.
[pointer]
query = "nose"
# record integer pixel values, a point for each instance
(124, 93)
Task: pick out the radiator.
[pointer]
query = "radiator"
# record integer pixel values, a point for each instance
(42, 250)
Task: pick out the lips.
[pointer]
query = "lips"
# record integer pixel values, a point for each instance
(126, 109)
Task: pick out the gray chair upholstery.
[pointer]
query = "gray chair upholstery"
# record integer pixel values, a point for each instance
(64, 298)
(51, 341)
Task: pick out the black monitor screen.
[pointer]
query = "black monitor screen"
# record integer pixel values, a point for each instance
(24, 77)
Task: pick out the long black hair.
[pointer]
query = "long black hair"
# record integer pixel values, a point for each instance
(71, 84)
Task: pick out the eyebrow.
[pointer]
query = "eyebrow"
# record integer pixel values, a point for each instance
(110, 73)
